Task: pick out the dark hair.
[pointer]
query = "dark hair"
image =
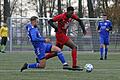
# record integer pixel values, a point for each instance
(70, 8)
(33, 18)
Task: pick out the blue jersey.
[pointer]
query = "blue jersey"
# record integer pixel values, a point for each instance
(38, 42)
(102, 26)
(34, 34)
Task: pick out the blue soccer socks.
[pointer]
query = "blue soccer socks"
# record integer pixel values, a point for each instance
(101, 52)
(61, 57)
(106, 51)
(34, 65)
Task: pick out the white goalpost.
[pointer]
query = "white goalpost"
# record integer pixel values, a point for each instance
(17, 27)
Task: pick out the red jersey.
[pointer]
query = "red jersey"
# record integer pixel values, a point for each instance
(63, 22)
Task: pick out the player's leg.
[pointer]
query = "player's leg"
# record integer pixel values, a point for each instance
(3, 44)
(63, 39)
(59, 45)
(57, 51)
(101, 51)
(106, 47)
(73, 46)
(48, 55)
(101, 48)
(41, 57)
(41, 65)
(106, 52)
(60, 55)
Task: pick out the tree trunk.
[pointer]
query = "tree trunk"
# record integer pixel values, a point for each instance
(12, 7)
(51, 9)
(103, 5)
(98, 8)
(6, 10)
(59, 7)
(0, 13)
(116, 3)
(106, 4)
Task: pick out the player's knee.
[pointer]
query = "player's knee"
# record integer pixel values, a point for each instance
(58, 49)
(41, 66)
(42, 63)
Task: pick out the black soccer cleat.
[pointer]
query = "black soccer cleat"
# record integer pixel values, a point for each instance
(3, 52)
(24, 67)
(77, 68)
(105, 58)
(101, 58)
(67, 67)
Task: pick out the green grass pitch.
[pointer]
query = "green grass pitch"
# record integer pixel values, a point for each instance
(10, 64)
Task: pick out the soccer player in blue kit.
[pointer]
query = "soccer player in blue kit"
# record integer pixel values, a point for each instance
(103, 28)
(41, 47)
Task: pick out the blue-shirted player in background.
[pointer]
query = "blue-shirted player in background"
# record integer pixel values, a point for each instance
(41, 47)
(103, 28)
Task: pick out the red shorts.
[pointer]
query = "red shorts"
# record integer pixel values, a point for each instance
(61, 39)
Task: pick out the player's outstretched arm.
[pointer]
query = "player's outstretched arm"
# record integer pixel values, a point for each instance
(80, 23)
(52, 24)
(82, 26)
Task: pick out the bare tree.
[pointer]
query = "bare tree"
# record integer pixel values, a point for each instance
(6, 10)
(51, 9)
(59, 7)
(0, 13)
(12, 6)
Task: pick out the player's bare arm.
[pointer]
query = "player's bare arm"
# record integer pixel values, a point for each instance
(47, 40)
(82, 26)
(52, 24)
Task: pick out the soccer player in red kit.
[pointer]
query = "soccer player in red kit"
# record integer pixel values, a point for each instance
(61, 38)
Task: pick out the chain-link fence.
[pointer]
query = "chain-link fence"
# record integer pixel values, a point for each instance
(90, 42)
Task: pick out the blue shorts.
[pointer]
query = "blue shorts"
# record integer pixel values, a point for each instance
(42, 50)
(104, 40)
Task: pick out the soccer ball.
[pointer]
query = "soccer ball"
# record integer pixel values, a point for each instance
(88, 67)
